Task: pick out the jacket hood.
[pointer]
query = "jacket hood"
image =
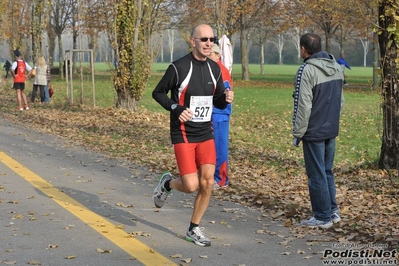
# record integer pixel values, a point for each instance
(325, 62)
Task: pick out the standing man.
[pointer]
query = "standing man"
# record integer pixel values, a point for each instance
(318, 102)
(221, 125)
(342, 62)
(7, 66)
(195, 83)
(19, 69)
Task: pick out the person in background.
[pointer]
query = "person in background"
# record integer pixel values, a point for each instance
(40, 81)
(19, 69)
(221, 125)
(195, 84)
(46, 88)
(7, 67)
(318, 102)
(342, 62)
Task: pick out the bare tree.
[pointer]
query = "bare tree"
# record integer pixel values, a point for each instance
(171, 40)
(15, 18)
(366, 47)
(37, 28)
(279, 42)
(61, 14)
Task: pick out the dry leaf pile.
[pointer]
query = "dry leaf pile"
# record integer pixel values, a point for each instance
(270, 180)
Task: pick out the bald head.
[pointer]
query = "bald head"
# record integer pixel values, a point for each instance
(202, 39)
(196, 31)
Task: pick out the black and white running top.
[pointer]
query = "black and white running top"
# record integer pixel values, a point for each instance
(196, 85)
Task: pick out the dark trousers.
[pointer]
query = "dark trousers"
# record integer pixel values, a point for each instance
(41, 92)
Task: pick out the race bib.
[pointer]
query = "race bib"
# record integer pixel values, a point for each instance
(202, 108)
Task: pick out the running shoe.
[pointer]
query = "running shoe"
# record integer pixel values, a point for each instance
(160, 193)
(216, 186)
(26, 107)
(196, 235)
(314, 223)
(335, 217)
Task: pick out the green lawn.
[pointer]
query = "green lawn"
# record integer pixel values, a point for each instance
(262, 111)
(262, 108)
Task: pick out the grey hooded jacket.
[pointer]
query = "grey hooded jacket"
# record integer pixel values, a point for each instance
(318, 98)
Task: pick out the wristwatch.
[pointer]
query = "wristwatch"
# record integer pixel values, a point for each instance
(173, 107)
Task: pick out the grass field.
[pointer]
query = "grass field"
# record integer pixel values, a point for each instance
(262, 109)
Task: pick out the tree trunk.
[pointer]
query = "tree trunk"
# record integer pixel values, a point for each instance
(262, 59)
(389, 158)
(375, 60)
(61, 56)
(244, 55)
(328, 40)
(126, 100)
(51, 44)
(34, 31)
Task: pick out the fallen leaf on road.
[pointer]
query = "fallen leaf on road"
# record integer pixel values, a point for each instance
(99, 250)
(284, 243)
(34, 263)
(19, 216)
(120, 204)
(140, 233)
(287, 223)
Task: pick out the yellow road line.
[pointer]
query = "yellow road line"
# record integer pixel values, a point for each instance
(132, 246)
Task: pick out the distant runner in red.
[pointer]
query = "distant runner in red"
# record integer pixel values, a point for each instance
(19, 69)
(195, 84)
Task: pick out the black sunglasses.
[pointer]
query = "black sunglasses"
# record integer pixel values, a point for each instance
(205, 39)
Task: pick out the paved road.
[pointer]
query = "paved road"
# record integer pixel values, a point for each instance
(63, 205)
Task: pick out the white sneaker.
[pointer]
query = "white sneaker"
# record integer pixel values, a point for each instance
(314, 223)
(335, 217)
(198, 237)
(160, 193)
